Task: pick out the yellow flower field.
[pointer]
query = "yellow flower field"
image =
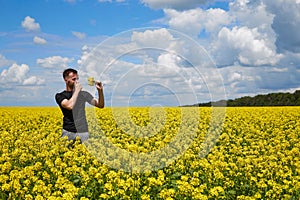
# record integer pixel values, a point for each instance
(143, 153)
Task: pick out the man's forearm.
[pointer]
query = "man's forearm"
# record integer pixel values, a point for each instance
(69, 104)
(100, 103)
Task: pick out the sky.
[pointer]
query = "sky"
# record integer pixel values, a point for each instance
(149, 52)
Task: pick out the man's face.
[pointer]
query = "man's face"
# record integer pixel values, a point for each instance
(71, 79)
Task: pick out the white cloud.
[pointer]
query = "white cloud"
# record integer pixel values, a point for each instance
(252, 15)
(4, 61)
(30, 25)
(39, 40)
(91, 57)
(277, 69)
(15, 73)
(235, 77)
(187, 21)
(216, 18)
(151, 59)
(291, 59)
(18, 74)
(240, 81)
(245, 45)
(280, 20)
(168, 59)
(79, 35)
(33, 80)
(194, 21)
(166, 66)
(56, 62)
(257, 41)
(160, 38)
(250, 42)
(244, 39)
(286, 23)
(175, 4)
(279, 79)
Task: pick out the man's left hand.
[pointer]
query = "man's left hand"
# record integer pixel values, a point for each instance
(99, 85)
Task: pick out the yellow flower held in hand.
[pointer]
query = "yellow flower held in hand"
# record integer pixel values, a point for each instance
(91, 81)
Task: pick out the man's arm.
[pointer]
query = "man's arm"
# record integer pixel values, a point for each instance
(69, 104)
(100, 101)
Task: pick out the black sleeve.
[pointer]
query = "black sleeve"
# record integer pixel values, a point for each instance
(59, 98)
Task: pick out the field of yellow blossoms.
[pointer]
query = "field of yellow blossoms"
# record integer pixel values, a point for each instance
(253, 154)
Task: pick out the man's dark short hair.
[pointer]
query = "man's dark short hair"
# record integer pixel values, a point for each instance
(68, 71)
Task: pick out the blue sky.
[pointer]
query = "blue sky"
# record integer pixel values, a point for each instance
(149, 52)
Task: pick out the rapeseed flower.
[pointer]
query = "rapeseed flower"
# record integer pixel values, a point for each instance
(256, 156)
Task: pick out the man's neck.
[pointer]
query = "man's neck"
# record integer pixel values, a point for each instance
(68, 89)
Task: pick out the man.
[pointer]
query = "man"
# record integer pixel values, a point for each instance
(72, 104)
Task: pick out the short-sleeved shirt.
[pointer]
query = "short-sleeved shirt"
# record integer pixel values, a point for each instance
(74, 120)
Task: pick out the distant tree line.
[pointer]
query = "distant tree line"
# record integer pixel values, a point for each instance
(272, 99)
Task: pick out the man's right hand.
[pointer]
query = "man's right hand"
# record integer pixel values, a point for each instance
(78, 86)
(69, 104)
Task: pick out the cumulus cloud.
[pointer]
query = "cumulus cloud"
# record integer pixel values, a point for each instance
(245, 34)
(245, 45)
(79, 35)
(30, 25)
(4, 61)
(39, 40)
(194, 21)
(158, 58)
(286, 23)
(187, 21)
(243, 38)
(175, 4)
(33, 80)
(167, 59)
(291, 59)
(252, 14)
(240, 81)
(18, 74)
(278, 20)
(275, 79)
(56, 62)
(160, 38)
